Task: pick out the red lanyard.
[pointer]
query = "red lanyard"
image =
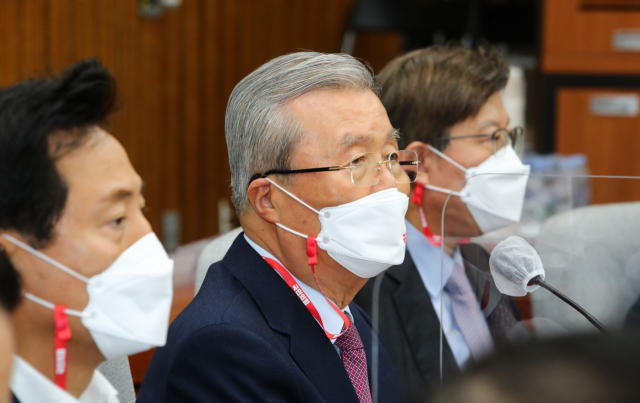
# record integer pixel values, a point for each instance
(312, 253)
(435, 240)
(62, 335)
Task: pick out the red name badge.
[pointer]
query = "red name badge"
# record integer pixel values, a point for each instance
(62, 335)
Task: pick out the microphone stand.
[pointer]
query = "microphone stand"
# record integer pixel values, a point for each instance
(595, 322)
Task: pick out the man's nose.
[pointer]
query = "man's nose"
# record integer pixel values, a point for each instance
(140, 227)
(386, 179)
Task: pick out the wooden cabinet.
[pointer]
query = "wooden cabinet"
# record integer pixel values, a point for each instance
(604, 124)
(591, 37)
(590, 62)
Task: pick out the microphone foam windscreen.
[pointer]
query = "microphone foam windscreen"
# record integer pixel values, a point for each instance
(513, 264)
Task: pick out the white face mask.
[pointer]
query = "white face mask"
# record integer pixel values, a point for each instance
(366, 236)
(129, 303)
(494, 201)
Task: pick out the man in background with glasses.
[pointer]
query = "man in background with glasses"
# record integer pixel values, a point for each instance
(446, 102)
(320, 189)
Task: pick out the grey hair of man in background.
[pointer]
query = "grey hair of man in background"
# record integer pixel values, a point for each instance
(261, 133)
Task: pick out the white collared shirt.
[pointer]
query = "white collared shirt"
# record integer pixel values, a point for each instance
(429, 262)
(332, 321)
(30, 386)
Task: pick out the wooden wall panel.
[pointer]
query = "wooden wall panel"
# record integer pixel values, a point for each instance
(175, 74)
(33, 21)
(9, 42)
(191, 127)
(214, 174)
(170, 92)
(61, 35)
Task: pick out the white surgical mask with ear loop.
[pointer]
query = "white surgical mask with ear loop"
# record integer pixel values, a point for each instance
(366, 236)
(494, 190)
(129, 303)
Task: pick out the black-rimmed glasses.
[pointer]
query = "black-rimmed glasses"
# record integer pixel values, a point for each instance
(366, 168)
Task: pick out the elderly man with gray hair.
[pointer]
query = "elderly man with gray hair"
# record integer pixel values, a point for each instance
(320, 189)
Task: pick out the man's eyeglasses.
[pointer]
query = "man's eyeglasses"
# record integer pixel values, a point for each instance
(500, 139)
(366, 168)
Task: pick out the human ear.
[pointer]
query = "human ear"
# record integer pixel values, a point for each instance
(423, 152)
(7, 246)
(259, 194)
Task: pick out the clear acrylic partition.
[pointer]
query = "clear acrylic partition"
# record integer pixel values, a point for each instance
(586, 230)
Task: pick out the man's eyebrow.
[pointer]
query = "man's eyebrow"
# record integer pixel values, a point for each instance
(117, 195)
(120, 194)
(350, 140)
(491, 122)
(394, 134)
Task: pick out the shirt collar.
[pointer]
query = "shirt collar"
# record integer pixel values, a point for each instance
(332, 321)
(428, 260)
(30, 386)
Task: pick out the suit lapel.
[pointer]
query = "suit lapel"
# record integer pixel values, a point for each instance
(420, 322)
(366, 335)
(310, 348)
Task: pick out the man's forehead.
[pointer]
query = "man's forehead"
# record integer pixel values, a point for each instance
(350, 140)
(102, 173)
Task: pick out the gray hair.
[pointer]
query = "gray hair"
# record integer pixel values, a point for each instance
(261, 133)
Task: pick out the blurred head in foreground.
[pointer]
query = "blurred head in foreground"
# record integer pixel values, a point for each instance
(589, 369)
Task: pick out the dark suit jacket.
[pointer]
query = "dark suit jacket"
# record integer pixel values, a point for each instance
(14, 399)
(246, 337)
(409, 326)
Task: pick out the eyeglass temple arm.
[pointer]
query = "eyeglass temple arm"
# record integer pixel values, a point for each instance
(295, 171)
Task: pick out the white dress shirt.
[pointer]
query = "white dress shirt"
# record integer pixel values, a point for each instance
(428, 261)
(332, 321)
(30, 386)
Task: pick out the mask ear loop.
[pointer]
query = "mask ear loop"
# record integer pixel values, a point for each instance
(44, 257)
(446, 157)
(52, 262)
(294, 197)
(62, 330)
(51, 306)
(312, 260)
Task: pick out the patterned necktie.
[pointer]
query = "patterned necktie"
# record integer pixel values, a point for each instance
(467, 314)
(355, 361)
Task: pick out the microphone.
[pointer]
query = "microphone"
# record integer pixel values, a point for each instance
(517, 270)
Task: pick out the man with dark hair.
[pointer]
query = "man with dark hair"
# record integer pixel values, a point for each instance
(446, 102)
(96, 281)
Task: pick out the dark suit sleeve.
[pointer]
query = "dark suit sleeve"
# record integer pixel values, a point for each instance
(225, 363)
